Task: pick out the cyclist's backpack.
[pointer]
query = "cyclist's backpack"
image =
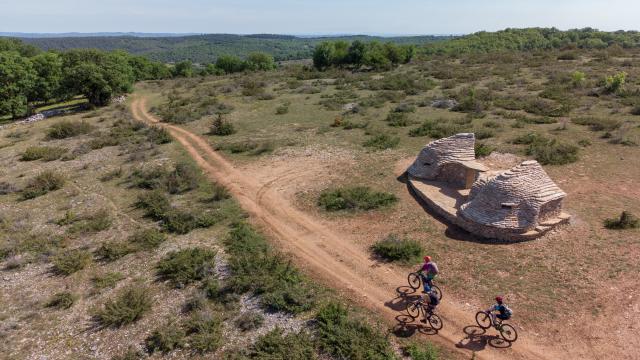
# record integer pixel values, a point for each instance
(433, 299)
(507, 312)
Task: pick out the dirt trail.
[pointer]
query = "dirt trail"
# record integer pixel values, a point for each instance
(334, 259)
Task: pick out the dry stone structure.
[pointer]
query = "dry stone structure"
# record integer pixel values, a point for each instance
(518, 204)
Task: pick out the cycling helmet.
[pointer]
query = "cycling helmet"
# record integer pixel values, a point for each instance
(427, 258)
(499, 299)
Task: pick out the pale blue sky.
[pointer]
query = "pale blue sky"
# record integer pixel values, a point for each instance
(313, 16)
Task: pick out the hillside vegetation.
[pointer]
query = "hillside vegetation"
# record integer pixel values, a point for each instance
(205, 49)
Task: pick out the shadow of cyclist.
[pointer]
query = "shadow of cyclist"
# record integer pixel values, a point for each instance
(477, 339)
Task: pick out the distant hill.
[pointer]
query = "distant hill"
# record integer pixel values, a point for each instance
(97, 34)
(206, 48)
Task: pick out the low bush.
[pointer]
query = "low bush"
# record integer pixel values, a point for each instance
(158, 135)
(62, 300)
(398, 119)
(157, 206)
(344, 337)
(221, 127)
(249, 321)
(354, 198)
(258, 268)
(482, 149)
(186, 266)
(481, 134)
(106, 280)
(155, 203)
(552, 152)
(46, 153)
(43, 183)
(392, 248)
(436, 129)
(249, 146)
(99, 221)
(71, 261)
(421, 352)
(7, 188)
(382, 142)
(131, 354)
(276, 345)
(66, 129)
(183, 178)
(166, 338)
(205, 332)
(598, 124)
(625, 221)
(282, 109)
(114, 250)
(147, 239)
(128, 306)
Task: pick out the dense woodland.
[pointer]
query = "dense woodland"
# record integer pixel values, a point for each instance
(205, 49)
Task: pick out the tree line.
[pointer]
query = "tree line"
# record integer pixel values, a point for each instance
(30, 77)
(358, 54)
(532, 39)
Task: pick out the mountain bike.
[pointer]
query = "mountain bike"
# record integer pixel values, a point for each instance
(420, 306)
(415, 282)
(507, 331)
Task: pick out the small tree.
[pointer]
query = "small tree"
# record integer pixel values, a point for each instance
(614, 84)
(221, 127)
(183, 69)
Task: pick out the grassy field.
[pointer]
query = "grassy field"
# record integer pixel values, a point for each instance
(565, 113)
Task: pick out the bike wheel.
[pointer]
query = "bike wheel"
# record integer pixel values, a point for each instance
(435, 322)
(483, 319)
(508, 333)
(437, 291)
(414, 281)
(413, 309)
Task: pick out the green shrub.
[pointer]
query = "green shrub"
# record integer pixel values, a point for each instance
(147, 239)
(71, 261)
(392, 248)
(158, 135)
(205, 332)
(155, 203)
(186, 266)
(436, 129)
(63, 300)
(398, 119)
(382, 142)
(99, 221)
(552, 152)
(249, 146)
(482, 149)
(625, 221)
(149, 178)
(344, 337)
(166, 338)
(598, 124)
(256, 267)
(66, 129)
(354, 198)
(43, 183)
(615, 84)
(128, 306)
(114, 250)
(221, 127)
(219, 193)
(107, 280)
(183, 178)
(276, 345)
(249, 321)
(46, 153)
(421, 352)
(481, 134)
(282, 109)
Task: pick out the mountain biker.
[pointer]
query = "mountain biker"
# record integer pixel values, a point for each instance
(428, 272)
(504, 313)
(431, 299)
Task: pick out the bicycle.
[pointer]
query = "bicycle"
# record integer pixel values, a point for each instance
(415, 282)
(415, 308)
(507, 331)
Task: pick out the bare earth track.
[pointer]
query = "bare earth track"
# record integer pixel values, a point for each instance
(335, 260)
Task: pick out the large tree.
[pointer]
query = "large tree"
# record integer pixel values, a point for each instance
(17, 78)
(48, 67)
(260, 61)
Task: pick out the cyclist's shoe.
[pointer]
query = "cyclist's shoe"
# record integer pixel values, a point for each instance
(423, 321)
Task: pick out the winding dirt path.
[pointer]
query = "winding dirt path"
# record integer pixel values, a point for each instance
(333, 258)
